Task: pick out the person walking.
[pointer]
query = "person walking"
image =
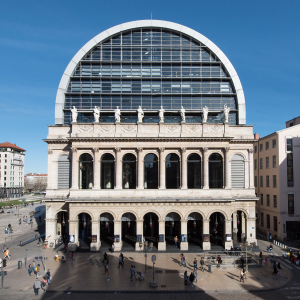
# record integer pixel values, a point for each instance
(195, 263)
(242, 274)
(275, 271)
(20, 221)
(7, 253)
(195, 274)
(183, 261)
(105, 258)
(185, 277)
(279, 269)
(3, 248)
(37, 286)
(30, 270)
(202, 264)
(192, 278)
(175, 241)
(48, 276)
(242, 261)
(120, 262)
(38, 269)
(43, 283)
(106, 271)
(134, 272)
(219, 260)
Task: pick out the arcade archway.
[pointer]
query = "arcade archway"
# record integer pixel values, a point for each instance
(217, 230)
(106, 229)
(62, 226)
(151, 228)
(172, 227)
(84, 230)
(128, 230)
(195, 229)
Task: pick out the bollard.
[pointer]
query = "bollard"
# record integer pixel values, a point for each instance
(209, 268)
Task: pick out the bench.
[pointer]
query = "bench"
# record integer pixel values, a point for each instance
(23, 243)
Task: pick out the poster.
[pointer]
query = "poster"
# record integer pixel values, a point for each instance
(72, 238)
(117, 238)
(184, 238)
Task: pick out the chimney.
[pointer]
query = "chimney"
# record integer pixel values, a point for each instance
(256, 136)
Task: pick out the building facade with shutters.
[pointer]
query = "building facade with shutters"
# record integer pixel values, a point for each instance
(150, 142)
(277, 181)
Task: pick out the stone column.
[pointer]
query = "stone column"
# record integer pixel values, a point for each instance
(96, 171)
(205, 169)
(251, 231)
(140, 169)
(118, 169)
(162, 169)
(118, 231)
(161, 230)
(52, 171)
(96, 243)
(139, 233)
(206, 237)
(234, 225)
(227, 235)
(73, 230)
(183, 169)
(227, 169)
(75, 169)
(243, 221)
(184, 246)
(50, 234)
(251, 173)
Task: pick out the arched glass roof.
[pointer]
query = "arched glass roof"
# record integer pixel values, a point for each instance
(151, 66)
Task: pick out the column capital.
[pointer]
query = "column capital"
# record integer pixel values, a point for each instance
(183, 149)
(161, 149)
(227, 149)
(140, 149)
(118, 149)
(205, 149)
(96, 149)
(74, 149)
(250, 150)
(50, 151)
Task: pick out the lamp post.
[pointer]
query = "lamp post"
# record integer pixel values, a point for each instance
(153, 283)
(145, 244)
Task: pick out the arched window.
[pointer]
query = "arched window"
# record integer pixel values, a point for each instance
(172, 171)
(194, 171)
(150, 171)
(107, 171)
(129, 171)
(237, 172)
(63, 172)
(85, 171)
(215, 171)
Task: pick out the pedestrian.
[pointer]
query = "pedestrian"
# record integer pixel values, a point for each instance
(185, 277)
(242, 261)
(181, 256)
(20, 221)
(48, 276)
(195, 274)
(266, 261)
(37, 286)
(112, 248)
(105, 258)
(279, 269)
(175, 241)
(106, 271)
(275, 271)
(38, 269)
(6, 230)
(7, 253)
(260, 255)
(192, 277)
(195, 263)
(43, 283)
(219, 260)
(271, 261)
(3, 248)
(33, 265)
(29, 269)
(134, 272)
(202, 264)
(131, 273)
(242, 274)
(183, 261)
(120, 262)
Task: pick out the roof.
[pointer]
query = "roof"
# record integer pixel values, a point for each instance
(10, 145)
(64, 82)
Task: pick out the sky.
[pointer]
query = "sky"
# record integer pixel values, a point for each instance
(39, 38)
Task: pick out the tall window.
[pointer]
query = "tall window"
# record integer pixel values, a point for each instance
(267, 162)
(268, 200)
(274, 181)
(261, 147)
(215, 171)
(255, 181)
(261, 199)
(85, 171)
(237, 172)
(261, 181)
(255, 164)
(150, 171)
(255, 149)
(63, 172)
(172, 171)
(268, 221)
(274, 161)
(262, 219)
(194, 171)
(261, 163)
(129, 171)
(274, 200)
(267, 145)
(267, 181)
(289, 144)
(290, 162)
(275, 223)
(273, 143)
(290, 204)
(107, 171)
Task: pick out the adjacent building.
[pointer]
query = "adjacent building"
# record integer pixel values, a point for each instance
(150, 142)
(11, 170)
(35, 181)
(277, 182)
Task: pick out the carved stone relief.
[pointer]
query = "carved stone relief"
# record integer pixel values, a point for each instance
(215, 128)
(172, 128)
(85, 128)
(129, 128)
(193, 128)
(106, 128)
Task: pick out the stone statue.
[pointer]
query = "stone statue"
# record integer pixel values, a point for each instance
(140, 114)
(205, 114)
(96, 114)
(226, 113)
(182, 114)
(117, 115)
(161, 114)
(74, 114)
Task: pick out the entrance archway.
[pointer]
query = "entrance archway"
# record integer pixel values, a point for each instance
(128, 230)
(172, 227)
(84, 230)
(106, 229)
(195, 229)
(217, 230)
(151, 228)
(62, 226)
(239, 226)
(85, 171)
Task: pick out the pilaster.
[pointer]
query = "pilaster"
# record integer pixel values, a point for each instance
(118, 231)
(205, 169)
(96, 243)
(227, 169)
(75, 169)
(140, 170)
(139, 232)
(206, 236)
(162, 245)
(184, 169)
(96, 169)
(162, 169)
(118, 169)
(184, 246)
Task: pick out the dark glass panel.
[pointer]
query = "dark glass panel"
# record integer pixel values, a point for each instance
(172, 171)
(215, 171)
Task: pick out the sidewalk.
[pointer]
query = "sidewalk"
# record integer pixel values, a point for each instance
(85, 274)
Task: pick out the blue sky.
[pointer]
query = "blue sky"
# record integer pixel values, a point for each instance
(39, 38)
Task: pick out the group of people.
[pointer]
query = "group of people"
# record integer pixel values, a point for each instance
(8, 229)
(41, 284)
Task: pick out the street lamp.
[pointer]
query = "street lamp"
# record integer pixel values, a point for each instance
(153, 283)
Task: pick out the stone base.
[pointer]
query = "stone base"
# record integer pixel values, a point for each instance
(118, 246)
(162, 246)
(228, 245)
(137, 247)
(95, 246)
(72, 246)
(184, 246)
(153, 284)
(206, 246)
